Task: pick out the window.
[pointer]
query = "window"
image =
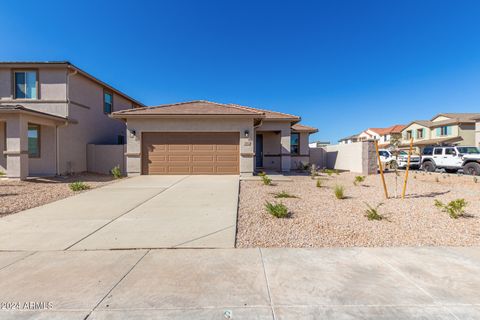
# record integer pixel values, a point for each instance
(409, 134)
(420, 134)
(295, 143)
(25, 85)
(437, 151)
(450, 151)
(443, 131)
(428, 151)
(107, 102)
(34, 141)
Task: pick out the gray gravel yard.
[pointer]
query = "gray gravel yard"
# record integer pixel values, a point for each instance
(16, 196)
(318, 219)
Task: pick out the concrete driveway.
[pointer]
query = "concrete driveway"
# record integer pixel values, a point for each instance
(140, 212)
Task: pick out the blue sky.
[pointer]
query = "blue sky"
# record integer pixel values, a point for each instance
(341, 65)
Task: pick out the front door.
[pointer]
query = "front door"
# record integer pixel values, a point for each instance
(259, 151)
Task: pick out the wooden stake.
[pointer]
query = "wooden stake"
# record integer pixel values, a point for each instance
(381, 169)
(407, 169)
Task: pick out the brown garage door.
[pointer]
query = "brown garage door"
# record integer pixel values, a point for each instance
(190, 153)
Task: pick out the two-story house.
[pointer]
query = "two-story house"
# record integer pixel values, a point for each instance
(444, 128)
(382, 135)
(49, 112)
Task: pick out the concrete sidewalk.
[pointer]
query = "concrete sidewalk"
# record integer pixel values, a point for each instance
(341, 283)
(139, 212)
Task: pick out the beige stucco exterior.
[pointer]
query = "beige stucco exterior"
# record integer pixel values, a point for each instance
(63, 91)
(477, 133)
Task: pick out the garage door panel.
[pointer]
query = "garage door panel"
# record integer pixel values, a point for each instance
(190, 153)
(178, 158)
(206, 158)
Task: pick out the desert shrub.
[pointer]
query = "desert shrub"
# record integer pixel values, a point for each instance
(2, 173)
(261, 173)
(319, 183)
(284, 194)
(339, 192)
(78, 186)
(372, 213)
(358, 180)
(266, 180)
(336, 172)
(278, 210)
(116, 172)
(455, 208)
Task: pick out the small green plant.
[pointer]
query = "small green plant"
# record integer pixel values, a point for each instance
(329, 172)
(455, 208)
(339, 192)
(2, 173)
(475, 180)
(372, 212)
(116, 172)
(319, 183)
(266, 180)
(358, 180)
(261, 173)
(284, 194)
(336, 172)
(78, 186)
(278, 210)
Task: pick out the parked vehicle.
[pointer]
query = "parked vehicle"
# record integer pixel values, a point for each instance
(390, 161)
(452, 159)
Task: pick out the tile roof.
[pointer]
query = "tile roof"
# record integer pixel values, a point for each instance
(397, 128)
(17, 107)
(459, 116)
(191, 108)
(202, 107)
(303, 128)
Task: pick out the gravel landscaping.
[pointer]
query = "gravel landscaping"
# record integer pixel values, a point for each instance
(318, 219)
(16, 196)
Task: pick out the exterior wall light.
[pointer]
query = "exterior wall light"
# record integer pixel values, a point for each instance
(133, 133)
(247, 133)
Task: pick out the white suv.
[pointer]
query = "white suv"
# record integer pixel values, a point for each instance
(452, 158)
(389, 160)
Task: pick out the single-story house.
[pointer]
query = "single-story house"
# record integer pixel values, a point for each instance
(203, 137)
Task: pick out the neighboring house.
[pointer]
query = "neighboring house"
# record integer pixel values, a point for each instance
(49, 112)
(202, 137)
(444, 128)
(384, 135)
(319, 144)
(350, 139)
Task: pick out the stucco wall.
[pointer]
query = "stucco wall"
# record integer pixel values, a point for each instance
(3, 160)
(52, 95)
(358, 157)
(92, 125)
(45, 164)
(190, 125)
(102, 158)
(467, 132)
(477, 133)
